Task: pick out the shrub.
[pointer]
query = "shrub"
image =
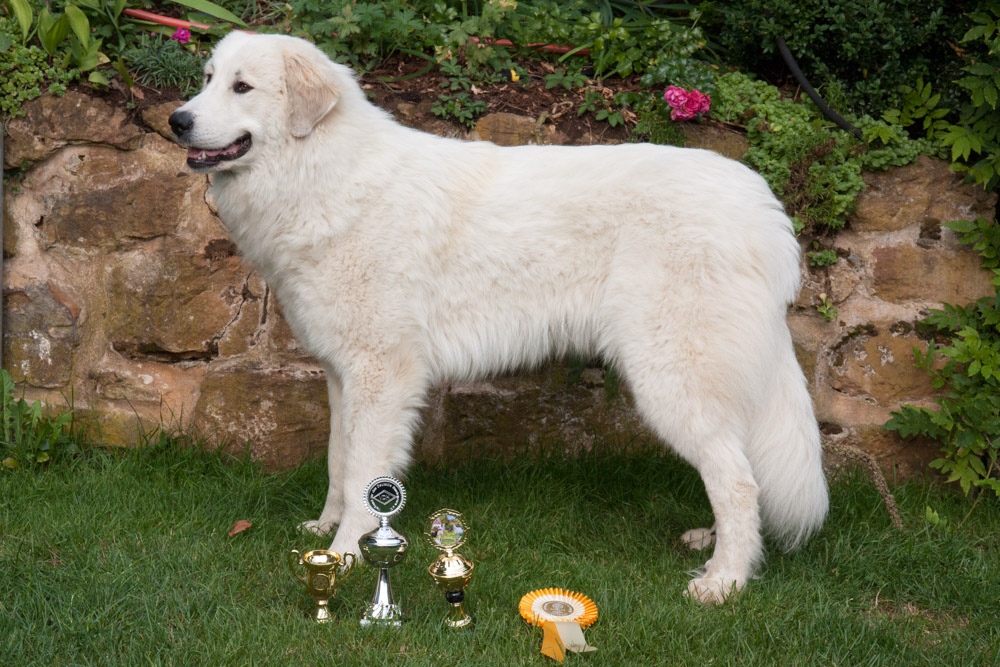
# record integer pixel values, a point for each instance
(860, 51)
(967, 421)
(977, 130)
(814, 168)
(161, 63)
(27, 72)
(31, 435)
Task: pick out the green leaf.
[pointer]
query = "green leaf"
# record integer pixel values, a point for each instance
(22, 11)
(212, 9)
(980, 69)
(54, 32)
(99, 78)
(975, 32)
(124, 73)
(79, 24)
(990, 95)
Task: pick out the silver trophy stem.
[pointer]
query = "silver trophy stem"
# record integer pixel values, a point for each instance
(382, 610)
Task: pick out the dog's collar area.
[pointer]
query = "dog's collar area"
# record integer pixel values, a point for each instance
(204, 158)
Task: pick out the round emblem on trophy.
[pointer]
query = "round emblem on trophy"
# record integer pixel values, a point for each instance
(385, 496)
(321, 582)
(446, 530)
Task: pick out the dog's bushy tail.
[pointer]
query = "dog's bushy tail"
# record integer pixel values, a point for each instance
(786, 455)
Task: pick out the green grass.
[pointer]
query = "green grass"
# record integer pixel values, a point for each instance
(123, 558)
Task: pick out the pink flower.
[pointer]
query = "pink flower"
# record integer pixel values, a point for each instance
(686, 105)
(675, 96)
(182, 35)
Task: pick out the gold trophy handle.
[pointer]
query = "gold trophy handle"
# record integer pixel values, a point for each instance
(346, 563)
(295, 558)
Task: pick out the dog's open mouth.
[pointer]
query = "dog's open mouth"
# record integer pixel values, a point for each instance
(203, 158)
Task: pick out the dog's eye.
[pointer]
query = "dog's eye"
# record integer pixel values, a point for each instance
(242, 87)
(208, 79)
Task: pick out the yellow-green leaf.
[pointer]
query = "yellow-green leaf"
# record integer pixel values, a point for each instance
(22, 10)
(79, 23)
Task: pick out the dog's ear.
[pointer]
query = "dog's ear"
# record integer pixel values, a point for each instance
(312, 91)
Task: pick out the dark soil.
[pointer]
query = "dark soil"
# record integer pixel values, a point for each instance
(399, 81)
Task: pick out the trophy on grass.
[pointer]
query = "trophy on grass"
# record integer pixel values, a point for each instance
(322, 569)
(446, 530)
(383, 548)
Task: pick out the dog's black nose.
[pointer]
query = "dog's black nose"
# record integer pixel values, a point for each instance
(181, 122)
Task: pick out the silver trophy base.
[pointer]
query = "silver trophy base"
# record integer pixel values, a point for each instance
(382, 615)
(382, 610)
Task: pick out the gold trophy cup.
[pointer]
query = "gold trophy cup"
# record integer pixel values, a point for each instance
(447, 530)
(322, 571)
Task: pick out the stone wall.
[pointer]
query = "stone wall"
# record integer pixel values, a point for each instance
(124, 296)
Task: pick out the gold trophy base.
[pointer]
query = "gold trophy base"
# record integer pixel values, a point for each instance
(457, 618)
(451, 572)
(321, 614)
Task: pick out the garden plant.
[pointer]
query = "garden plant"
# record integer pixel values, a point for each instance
(124, 557)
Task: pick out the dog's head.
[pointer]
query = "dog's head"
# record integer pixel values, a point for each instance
(257, 89)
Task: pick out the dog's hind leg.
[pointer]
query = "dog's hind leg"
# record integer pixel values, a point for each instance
(334, 506)
(680, 401)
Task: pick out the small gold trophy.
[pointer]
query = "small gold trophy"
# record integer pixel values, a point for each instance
(322, 569)
(446, 530)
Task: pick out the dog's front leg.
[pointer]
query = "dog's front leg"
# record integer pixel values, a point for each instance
(334, 506)
(381, 399)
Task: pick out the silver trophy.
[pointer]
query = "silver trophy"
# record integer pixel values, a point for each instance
(383, 548)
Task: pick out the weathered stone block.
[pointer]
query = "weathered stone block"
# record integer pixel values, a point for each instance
(905, 273)
(926, 189)
(113, 198)
(157, 118)
(876, 361)
(508, 414)
(9, 230)
(39, 335)
(51, 122)
(718, 138)
(507, 129)
(176, 306)
(282, 416)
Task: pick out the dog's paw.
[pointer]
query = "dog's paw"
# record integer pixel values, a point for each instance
(712, 590)
(697, 539)
(317, 527)
(344, 547)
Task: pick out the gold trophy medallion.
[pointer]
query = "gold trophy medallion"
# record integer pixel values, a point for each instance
(322, 571)
(447, 530)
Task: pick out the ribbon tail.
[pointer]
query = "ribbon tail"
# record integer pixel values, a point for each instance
(571, 637)
(552, 645)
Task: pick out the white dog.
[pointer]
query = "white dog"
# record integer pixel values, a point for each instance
(402, 259)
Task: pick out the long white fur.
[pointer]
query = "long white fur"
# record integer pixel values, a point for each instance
(402, 259)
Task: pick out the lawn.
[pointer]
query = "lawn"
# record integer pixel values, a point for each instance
(124, 557)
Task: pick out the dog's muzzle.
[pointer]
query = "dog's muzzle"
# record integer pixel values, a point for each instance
(182, 122)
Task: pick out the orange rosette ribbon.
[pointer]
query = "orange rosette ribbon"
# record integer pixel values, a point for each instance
(562, 615)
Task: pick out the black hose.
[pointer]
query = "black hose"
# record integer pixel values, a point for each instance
(806, 86)
(811, 92)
